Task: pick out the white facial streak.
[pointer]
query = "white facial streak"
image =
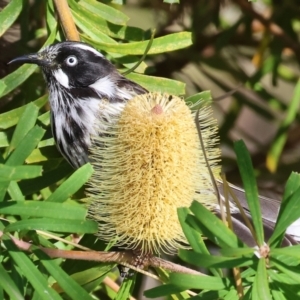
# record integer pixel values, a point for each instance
(88, 48)
(61, 77)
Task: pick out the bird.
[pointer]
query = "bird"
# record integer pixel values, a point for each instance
(79, 79)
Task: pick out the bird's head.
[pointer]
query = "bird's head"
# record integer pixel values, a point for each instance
(72, 64)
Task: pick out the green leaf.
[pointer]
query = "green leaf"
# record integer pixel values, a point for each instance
(72, 184)
(187, 281)
(126, 288)
(48, 178)
(293, 251)
(3, 140)
(91, 27)
(64, 211)
(21, 74)
(105, 11)
(99, 29)
(198, 98)
(250, 187)
(158, 84)
(260, 285)
(289, 210)
(2, 87)
(73, 226)
(12, 117)
(172, 1)
(29, 270)
(66, 282)
(163, 290)
(44, 154)
(210, 261)
(170, 42)
(214, 227)
(8, 173)
(282, 133)
(25, 146)
(26, 122)
(91, 274)
(193, 236)
(8, 285)
(9, 14)
(291, 272)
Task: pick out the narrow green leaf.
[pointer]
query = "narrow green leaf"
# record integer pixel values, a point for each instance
(25, 146)
(26, 122)
(71, 226)
(215, 228)
(3, 140)
(92, 29)
(293, 251)
(21, 74)
(163, 290)
(14, 191)
(106, 12)
(43, 154)
(188, 281)
(9, 285)
(260, 285)
(8, 173)
(289, 210)
(29, 270)
(9, 14)
(44, 209)
(2, 87)
(158, 84)
(72, 184)
(250, 187)
(210, 261)
(66, 282)
(48, 178)
(12, 117)
(282, 133)
(193, 236)
(45, 118)
(291, 272)
(126, 288)
(170, 42)
(199, 97)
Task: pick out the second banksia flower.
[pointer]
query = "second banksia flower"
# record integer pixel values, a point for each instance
(148, 164)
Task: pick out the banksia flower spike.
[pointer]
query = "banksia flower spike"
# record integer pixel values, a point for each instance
(148, 164)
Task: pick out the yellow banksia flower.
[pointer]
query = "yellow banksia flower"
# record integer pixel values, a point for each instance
(148, 164)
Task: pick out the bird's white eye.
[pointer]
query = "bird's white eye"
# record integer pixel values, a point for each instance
(71, 61)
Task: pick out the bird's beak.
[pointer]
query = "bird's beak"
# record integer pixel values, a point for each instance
(36, 58)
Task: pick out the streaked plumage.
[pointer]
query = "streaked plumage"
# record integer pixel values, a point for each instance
(79, 79)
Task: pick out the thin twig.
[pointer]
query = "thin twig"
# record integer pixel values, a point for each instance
(66, 20)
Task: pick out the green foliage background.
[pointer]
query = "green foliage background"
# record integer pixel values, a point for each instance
(199, 45)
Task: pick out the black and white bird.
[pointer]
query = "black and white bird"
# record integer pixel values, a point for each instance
(79, 78)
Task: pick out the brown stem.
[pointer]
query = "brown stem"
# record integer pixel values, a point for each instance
(125, 258)
(66, 20)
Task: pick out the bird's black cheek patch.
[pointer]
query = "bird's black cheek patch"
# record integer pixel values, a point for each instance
(88, 74)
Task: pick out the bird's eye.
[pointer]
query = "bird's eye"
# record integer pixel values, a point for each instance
(71, 61)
